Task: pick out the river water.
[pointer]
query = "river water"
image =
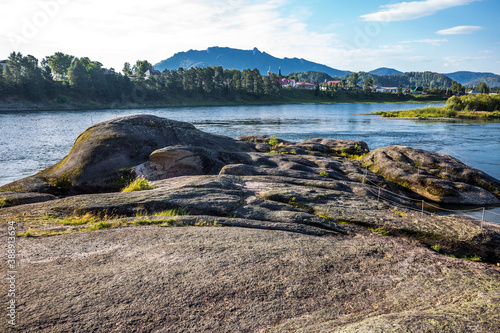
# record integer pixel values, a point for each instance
(32, 141)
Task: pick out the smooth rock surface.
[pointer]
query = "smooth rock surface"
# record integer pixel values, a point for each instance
(438, 177)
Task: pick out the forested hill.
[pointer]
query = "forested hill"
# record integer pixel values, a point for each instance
(242, 59)
(464, 77)
(410, 79)
(490, 80)
(311, 76)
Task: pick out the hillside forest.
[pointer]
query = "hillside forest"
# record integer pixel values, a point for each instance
(61, 78)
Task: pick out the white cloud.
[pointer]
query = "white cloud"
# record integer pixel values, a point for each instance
(434, 42)
(117, 31)
(455, 61)
(412, 10)
(460, 30)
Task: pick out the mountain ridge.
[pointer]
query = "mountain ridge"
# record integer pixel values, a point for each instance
(231, 58)
(464, 77)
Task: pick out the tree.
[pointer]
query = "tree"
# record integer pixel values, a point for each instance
(78, 78)
(23, 76)
(237, 80)
(367, 85)
(353, 80)
(142, 67)
(483, 88)
(59, 63)
(400, 89)
(316, 89)
(456, 87)
(248, 80)
(259, 83)
(127, 70)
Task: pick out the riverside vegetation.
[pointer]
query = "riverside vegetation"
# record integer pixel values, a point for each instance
(480, 106)
(256, 233)
(81, 83)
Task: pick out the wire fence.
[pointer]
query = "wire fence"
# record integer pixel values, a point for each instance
(385, 195)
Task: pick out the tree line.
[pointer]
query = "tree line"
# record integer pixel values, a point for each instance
(61, 77)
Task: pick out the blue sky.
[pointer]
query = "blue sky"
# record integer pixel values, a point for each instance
(437, 35)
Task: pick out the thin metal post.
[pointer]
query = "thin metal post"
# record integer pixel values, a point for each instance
(482, 219)
(423, 203)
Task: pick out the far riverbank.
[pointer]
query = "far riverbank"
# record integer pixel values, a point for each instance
(287, 97)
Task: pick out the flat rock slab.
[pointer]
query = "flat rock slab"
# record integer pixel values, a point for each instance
(244, 280)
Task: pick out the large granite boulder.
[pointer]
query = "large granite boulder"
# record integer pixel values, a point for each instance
(103, 154)
(438, 177)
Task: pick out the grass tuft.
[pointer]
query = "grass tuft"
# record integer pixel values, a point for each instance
(139, 184)
(436, 248)
(274, 141)
(100, 225)
(203, 223)
(380, 231)
(4, 202)
(173, 212)
(323, 173)
(474, 258)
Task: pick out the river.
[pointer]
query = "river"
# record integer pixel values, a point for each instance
(32, 141)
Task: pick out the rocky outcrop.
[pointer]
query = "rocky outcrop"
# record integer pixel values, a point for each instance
(293, 185)
(437, 177)
(103, 155)
(308, 245)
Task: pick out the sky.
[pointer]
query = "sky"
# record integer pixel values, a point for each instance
(426, 35)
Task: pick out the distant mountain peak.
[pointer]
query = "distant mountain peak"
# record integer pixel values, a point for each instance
(231, 58)
(385, 71)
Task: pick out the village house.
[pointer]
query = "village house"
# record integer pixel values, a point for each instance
(387, 89)
(59, 77)
(287, 83)
(417, 90)
(152, 73)
(305, 85)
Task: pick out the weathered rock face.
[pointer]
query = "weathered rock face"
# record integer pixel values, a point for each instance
(437, 177)
(175, 161)
(338, 146)
(105, 151)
